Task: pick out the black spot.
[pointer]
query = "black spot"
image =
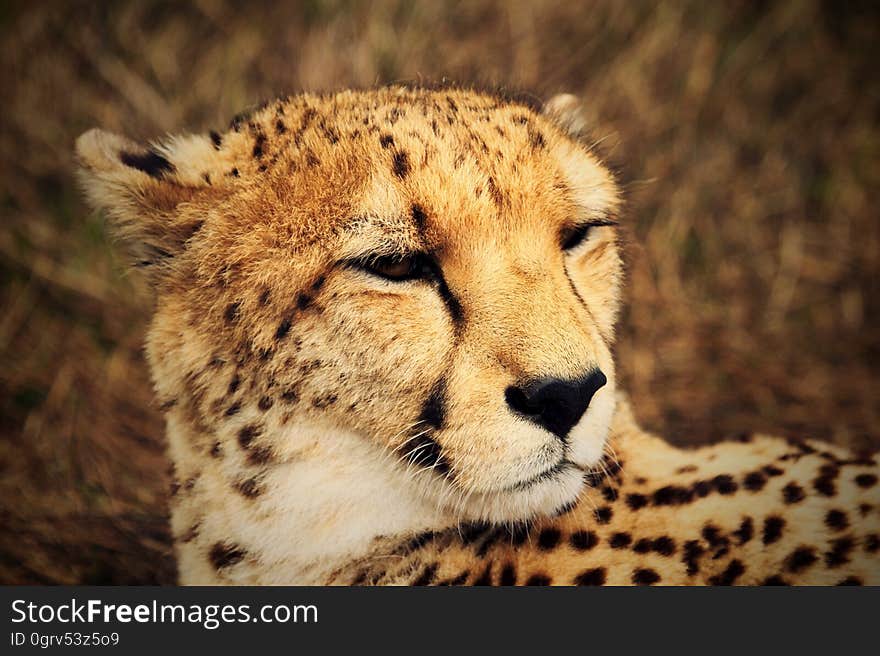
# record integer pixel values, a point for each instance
(583, 540)
(840, 550)
(719, 542)
(486, 577)
(866, 480)
(225, 555)
(755, 481)
(386, 140)
(265, 403)
(434, 409)
(643, 546)
(824, 485)
(549, 538)
(400, 164)
(233, 384)
(231, 313)
(234, 172)
(324, 400)
(734, 570)
(249, 488)
(418, 215)
(490, 540)
(645, 576)
(303, 301)
(725, 484)
(216, 450)
(604, 514)
(872, 543)
(594, 576)
(538, 579)
(773, 470)
(519, 533)
(636, 501)
(151, 163)
(702, 488)
(774, 580)
(508, 575)
(414, 543)
(264, 297)
(609, 493)
(793, 493)
(233, 409)
(620, 540)
(283, 328)
(536, 139)
(672, 495)
(836, 520)
(280, 128)
(427, 575)
(458, 580)
(247, 435)
(258, 146)
(693, 551)
(800, 559)
(216, 139)
(497, 194)
(745, 531)
(773, 526)
(473, 531)
(290, 395)
(851, 580)
(664, 545)
(259, 456)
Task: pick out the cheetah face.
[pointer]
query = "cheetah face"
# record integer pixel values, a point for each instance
(435, 272)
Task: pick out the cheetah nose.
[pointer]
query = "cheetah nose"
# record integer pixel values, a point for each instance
(555, 404)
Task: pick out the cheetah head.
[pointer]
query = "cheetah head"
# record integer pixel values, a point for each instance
(433, 272)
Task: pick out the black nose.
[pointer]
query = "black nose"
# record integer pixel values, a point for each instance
(554, 403)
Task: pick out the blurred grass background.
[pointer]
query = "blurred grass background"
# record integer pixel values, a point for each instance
(747, 134)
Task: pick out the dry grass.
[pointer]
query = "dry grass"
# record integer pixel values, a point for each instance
(748, 134)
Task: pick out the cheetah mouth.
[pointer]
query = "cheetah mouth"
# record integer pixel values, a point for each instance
(562, 467)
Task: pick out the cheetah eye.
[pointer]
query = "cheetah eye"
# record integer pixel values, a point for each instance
(398, 267)
(574, 236)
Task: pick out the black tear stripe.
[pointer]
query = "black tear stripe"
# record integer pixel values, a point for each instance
(453, 306)
(151, 163)
(434, 409)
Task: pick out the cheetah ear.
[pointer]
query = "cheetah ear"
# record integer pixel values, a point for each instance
(145, 192)
(566, 111)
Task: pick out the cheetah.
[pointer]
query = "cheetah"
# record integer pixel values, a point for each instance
(383, 344)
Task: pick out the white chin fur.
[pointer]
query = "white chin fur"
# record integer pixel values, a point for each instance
(543, 498)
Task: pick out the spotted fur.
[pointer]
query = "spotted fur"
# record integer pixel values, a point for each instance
(349, 286)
